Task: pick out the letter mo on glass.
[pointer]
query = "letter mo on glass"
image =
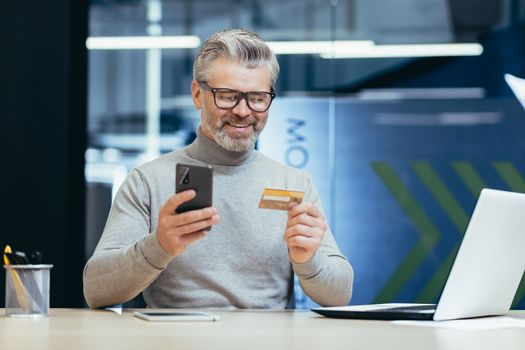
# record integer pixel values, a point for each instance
(296, 154)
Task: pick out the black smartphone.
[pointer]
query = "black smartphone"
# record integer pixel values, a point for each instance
(198, 178)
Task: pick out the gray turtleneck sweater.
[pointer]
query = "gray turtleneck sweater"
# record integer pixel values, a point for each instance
(242, 263)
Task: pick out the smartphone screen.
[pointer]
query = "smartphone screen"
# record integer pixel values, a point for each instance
(176, 316)
(198, 178)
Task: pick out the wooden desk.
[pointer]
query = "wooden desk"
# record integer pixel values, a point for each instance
(73, 329)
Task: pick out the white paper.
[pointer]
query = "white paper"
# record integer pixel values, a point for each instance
(473, 324)
(115, 308)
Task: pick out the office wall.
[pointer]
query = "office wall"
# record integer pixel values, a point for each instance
(399, 179)
(42, 137)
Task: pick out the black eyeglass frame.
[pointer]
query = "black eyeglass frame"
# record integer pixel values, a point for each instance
(242, 95)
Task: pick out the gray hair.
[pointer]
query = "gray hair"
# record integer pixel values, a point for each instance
(237, 45)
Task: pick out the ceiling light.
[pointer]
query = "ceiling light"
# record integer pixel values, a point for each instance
(142, 42)
(409, 50)
(315, 47)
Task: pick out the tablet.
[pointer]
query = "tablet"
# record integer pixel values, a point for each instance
(175, 316)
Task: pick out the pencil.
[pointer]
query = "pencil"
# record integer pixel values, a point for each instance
(17, 282)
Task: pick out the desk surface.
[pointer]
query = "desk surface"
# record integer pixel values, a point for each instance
(246, 329)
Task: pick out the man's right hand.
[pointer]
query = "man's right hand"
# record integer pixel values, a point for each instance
(175, 231)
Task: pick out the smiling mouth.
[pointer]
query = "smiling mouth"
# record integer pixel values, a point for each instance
(239, 126)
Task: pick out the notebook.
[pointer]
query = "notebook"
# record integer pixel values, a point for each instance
(485, 275)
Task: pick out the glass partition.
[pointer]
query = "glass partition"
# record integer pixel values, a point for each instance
(398, 109)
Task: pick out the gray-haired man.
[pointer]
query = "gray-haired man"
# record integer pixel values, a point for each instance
(248, 259)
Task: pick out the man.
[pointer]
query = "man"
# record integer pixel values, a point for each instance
(248, 258)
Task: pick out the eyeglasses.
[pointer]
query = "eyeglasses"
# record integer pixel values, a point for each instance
(257, 101)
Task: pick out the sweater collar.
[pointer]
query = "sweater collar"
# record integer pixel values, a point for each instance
(208, 151)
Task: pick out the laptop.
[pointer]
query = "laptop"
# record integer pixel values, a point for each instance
(485, 275)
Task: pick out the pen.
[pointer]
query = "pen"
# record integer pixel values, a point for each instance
(19, 287)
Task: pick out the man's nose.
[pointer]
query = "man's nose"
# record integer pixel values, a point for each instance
(242, 109)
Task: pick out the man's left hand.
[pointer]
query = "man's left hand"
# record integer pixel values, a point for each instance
(304, 231)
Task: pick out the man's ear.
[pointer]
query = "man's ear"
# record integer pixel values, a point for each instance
(196, 94)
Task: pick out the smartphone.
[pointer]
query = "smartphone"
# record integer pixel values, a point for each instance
(198, 178)
(175, 316)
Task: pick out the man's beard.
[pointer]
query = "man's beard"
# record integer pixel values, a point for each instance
(226, 141)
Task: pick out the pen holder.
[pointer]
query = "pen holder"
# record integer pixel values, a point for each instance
(27, 290)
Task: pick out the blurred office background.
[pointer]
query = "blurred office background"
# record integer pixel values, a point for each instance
(400, 109)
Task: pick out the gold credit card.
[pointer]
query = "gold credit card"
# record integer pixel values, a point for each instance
(273, 198)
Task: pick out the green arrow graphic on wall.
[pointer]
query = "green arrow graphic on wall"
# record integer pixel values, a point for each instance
(455, 213)
(428, 231)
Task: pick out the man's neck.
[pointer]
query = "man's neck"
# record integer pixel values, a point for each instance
(205, 149)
